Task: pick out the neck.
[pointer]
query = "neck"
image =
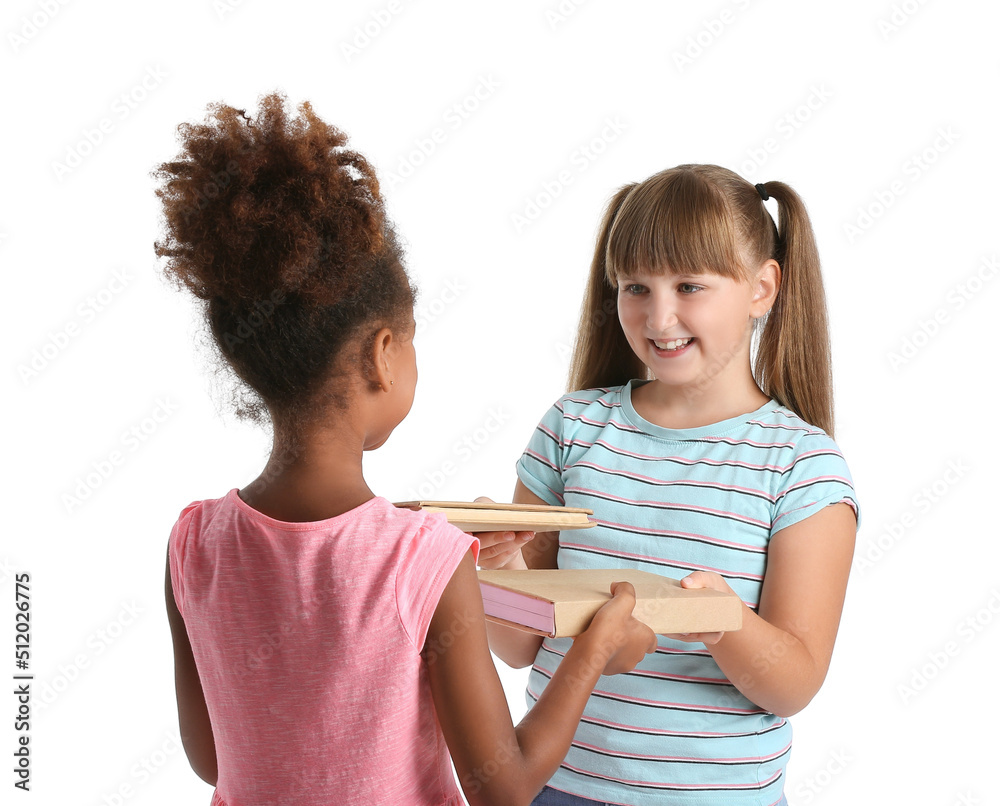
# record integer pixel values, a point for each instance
(730, 393)
(311, 476)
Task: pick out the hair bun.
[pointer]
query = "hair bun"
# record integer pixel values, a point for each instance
(255, 206)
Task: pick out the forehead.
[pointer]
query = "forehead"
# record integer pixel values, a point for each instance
(680, 228)
(668, 273)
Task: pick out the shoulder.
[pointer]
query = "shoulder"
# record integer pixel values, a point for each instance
(591, 405)
(781, 427)
(813, 459)
(426, 552)
(384, 514)
(184, 545)
(578, 413)
(420, 533)
(196, 515)
(605, 396)
(814, 472)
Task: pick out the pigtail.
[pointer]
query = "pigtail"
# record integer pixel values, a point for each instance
(793, 363)
(602, 355)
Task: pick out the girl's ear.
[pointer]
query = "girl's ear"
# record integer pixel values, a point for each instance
(383, 350)
(765, 288)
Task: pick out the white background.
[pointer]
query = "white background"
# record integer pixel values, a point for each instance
(896, 159)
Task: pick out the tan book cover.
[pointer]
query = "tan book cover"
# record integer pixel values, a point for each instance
(560, 603)
(475, 517)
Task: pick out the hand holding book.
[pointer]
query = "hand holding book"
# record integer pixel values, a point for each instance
(632, 639)
(501, 549)
(709, 581)
(561, 602)
(503, 529)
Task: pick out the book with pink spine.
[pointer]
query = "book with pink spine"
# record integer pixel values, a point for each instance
(561, 602)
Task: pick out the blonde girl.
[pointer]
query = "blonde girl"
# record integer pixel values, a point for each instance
(699, 429)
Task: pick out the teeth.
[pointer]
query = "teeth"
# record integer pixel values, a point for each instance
(674, 344)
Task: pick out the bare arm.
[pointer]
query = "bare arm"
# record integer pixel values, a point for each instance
(517, 648)
(192, 712)
(781, 656)
(496, 762)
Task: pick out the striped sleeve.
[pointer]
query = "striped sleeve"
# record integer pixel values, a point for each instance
(540, 467)
(817, 478)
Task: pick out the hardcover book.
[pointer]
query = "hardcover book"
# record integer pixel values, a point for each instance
(473, 517)
(561, 603)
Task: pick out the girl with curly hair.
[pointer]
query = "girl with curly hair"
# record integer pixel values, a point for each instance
(330, 647)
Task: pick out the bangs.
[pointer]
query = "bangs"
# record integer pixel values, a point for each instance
(675, 222)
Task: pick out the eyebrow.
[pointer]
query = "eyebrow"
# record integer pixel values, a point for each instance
(643, 276)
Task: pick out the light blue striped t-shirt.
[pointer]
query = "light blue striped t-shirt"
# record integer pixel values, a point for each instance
(675, 730)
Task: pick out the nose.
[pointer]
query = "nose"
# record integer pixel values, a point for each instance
(661, 315)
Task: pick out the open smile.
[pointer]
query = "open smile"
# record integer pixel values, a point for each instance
(671, 346)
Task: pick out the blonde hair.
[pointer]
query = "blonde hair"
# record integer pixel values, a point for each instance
(703, 218)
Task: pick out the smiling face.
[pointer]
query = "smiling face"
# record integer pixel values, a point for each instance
(693, 330)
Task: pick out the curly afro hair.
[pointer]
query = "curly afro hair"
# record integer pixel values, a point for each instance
(282, 233)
